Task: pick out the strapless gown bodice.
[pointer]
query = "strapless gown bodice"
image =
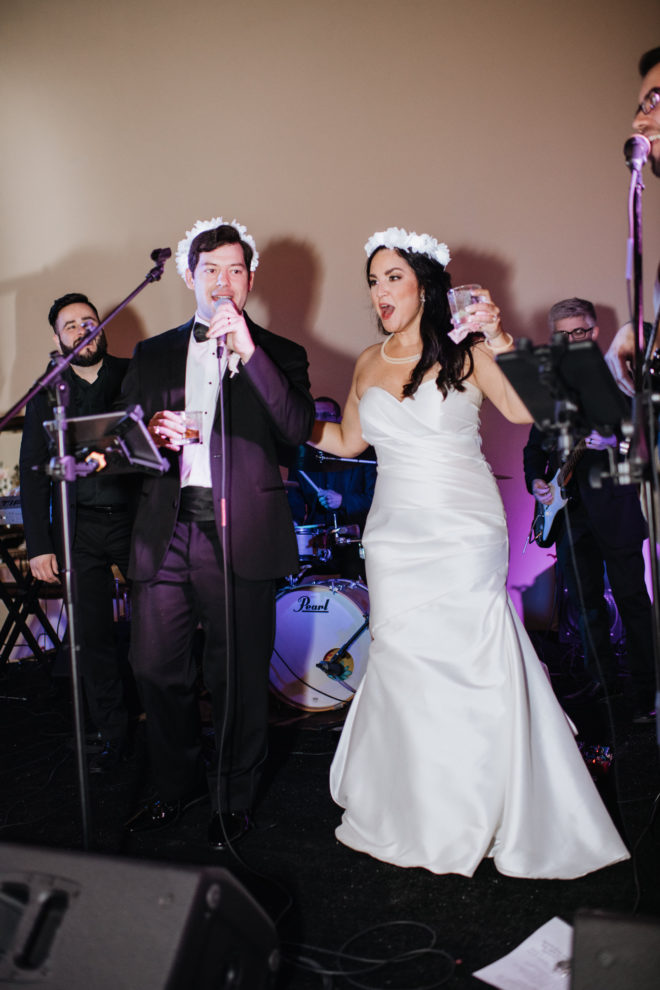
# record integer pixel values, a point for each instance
(454, 747)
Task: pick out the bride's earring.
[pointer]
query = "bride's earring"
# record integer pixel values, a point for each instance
(422, 297)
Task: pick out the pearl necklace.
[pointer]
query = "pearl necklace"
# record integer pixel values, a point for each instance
(401, 360)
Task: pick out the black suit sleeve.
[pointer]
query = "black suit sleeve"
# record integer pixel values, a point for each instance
(278, 373)
(36, 487)
(536, 461)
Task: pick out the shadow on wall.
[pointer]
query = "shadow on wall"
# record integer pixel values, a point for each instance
(34, 294)
(124, 332)
(494, 274)
(289, 287)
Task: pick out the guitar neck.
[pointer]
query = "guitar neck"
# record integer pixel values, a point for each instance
(566, 469)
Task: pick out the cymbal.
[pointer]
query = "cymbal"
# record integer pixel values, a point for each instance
(310, 459)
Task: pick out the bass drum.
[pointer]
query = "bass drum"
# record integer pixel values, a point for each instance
(314, 623)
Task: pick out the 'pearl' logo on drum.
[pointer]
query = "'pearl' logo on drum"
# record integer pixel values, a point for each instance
(305, 605)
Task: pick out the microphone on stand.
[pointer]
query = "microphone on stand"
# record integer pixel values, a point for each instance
(160, 255)
(201, 330)
(222, 341)
(333, 668)
(636, 150)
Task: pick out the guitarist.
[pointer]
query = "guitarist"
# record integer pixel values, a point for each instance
(608, 530)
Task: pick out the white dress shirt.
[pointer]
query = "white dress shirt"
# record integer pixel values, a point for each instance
(202, 388)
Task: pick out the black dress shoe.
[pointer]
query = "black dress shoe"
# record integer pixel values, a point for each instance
(643, 715)
(94, 742)
(109, 757)
(157, 813)
(230, 826)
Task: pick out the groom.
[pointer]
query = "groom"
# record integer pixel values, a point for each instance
(213, 533)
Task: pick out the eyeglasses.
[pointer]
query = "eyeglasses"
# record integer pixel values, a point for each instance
(578, 334)
(649, 102)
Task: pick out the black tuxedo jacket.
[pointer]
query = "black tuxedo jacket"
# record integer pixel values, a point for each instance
(266, 404)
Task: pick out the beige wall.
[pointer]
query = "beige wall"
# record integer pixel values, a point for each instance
(496, 126)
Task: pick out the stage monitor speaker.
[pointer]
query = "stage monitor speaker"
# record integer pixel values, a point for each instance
(77, 921)
(615, 952)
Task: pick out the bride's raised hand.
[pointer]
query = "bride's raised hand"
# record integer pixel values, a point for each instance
(484, 317)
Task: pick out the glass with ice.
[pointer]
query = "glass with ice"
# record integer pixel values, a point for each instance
(460, 297)
(191, 426)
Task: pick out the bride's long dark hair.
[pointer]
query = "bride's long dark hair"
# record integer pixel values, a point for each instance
(456, 363)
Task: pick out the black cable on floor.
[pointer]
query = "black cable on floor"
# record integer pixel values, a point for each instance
(382, 965)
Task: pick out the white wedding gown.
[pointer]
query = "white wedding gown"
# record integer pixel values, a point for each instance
(454, 747)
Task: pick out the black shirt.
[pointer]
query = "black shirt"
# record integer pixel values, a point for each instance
(90, 399)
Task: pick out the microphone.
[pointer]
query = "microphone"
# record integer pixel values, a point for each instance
(217, 303)
(160, 255)
(200, 330)
(223, 300)
(636, 150)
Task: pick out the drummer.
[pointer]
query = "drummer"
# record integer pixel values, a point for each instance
(333, 498)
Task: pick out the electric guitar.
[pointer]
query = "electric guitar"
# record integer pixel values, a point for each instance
(542, 532)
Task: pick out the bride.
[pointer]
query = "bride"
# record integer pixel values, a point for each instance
(454, 748)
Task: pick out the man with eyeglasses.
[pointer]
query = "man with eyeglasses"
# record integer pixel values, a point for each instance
(100, 521)
(621, 352)
(607, 530)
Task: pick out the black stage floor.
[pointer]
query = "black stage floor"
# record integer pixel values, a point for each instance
(319, 893)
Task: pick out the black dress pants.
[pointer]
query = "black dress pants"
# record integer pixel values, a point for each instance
(101, 539)
(187, 590)
(625, 570)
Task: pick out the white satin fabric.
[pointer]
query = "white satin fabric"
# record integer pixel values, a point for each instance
(455, 747)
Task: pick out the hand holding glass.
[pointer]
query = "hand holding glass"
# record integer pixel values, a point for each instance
(191, 426)
(462, 296)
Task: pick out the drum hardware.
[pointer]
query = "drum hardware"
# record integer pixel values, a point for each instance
(311, 459)
(313, 542)
(322, 619)
(342, 535)
(569, 621)
(332, 664)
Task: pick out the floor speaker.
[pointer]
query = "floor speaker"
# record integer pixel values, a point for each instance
(73, 921)
(615, 952)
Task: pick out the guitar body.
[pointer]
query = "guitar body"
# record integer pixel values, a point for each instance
(545, 515)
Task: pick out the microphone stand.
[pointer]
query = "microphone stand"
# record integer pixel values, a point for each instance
(160, 256)
(643, 463)
(64, 470)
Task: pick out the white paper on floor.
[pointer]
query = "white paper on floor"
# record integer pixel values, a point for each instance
(541, 962)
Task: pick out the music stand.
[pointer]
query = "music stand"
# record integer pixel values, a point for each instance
(120, 437)
(570, 391)
(567, 387)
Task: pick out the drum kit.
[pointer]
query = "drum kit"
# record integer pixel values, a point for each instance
(322, 619)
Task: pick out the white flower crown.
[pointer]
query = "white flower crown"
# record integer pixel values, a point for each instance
(397, 237)
(183, 248)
